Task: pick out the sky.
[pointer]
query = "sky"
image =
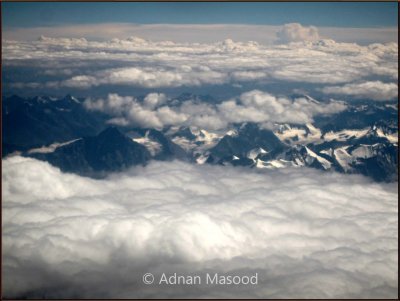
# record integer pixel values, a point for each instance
(364, 22)
(317, 14)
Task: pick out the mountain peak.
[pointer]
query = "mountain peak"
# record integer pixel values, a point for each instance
(111, 131)
(69, 97)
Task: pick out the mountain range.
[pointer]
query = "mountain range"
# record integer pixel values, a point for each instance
(363, 139)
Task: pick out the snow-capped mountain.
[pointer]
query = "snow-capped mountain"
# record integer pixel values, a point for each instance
(362, 139)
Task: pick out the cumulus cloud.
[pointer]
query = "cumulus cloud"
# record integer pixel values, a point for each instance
(307, 234)
(253, 106)
(154, 100)
(260, 107)
(128, 110)
(295, 32)
(375, 90)
(148, 77)
(154, 64)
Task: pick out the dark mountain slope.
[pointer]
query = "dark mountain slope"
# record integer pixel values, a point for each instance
(108, 151)
(30, 123)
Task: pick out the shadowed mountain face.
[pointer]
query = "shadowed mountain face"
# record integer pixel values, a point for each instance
(249, 137)
(358, 117)
(30, 123)
(381, 167)
(108, 151)
(360, 140)
(167, 150)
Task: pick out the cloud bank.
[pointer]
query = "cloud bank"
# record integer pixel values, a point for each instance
(307, 234)
(78, 63)
(375, 90)
(253, 106)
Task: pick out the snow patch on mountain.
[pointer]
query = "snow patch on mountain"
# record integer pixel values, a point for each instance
(203, 140)
(328, 152)
(325, 163)
(343, 158)
(393, 138)
(185, 143)
(208, 137)
(365, 151)
(152, 146)
(298, 135)
(232, 133)
(274, 164)
(254, 153)
(201, 159)
(50, 148)
(344, 135)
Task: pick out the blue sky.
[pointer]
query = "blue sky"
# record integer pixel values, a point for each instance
(318, 14)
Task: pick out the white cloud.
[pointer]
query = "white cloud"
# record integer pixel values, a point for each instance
(375, 90)
(295, 32)
(128, 110)
(151, 64)
(154, 100)
(253, 106)
(306, 233)
(260, 107)
(114, 104)
(148, 77)
(79, 81)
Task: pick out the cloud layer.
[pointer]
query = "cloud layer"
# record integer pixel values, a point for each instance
(253, 106)
(375, 90)
(306, 234)
(77, 63)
